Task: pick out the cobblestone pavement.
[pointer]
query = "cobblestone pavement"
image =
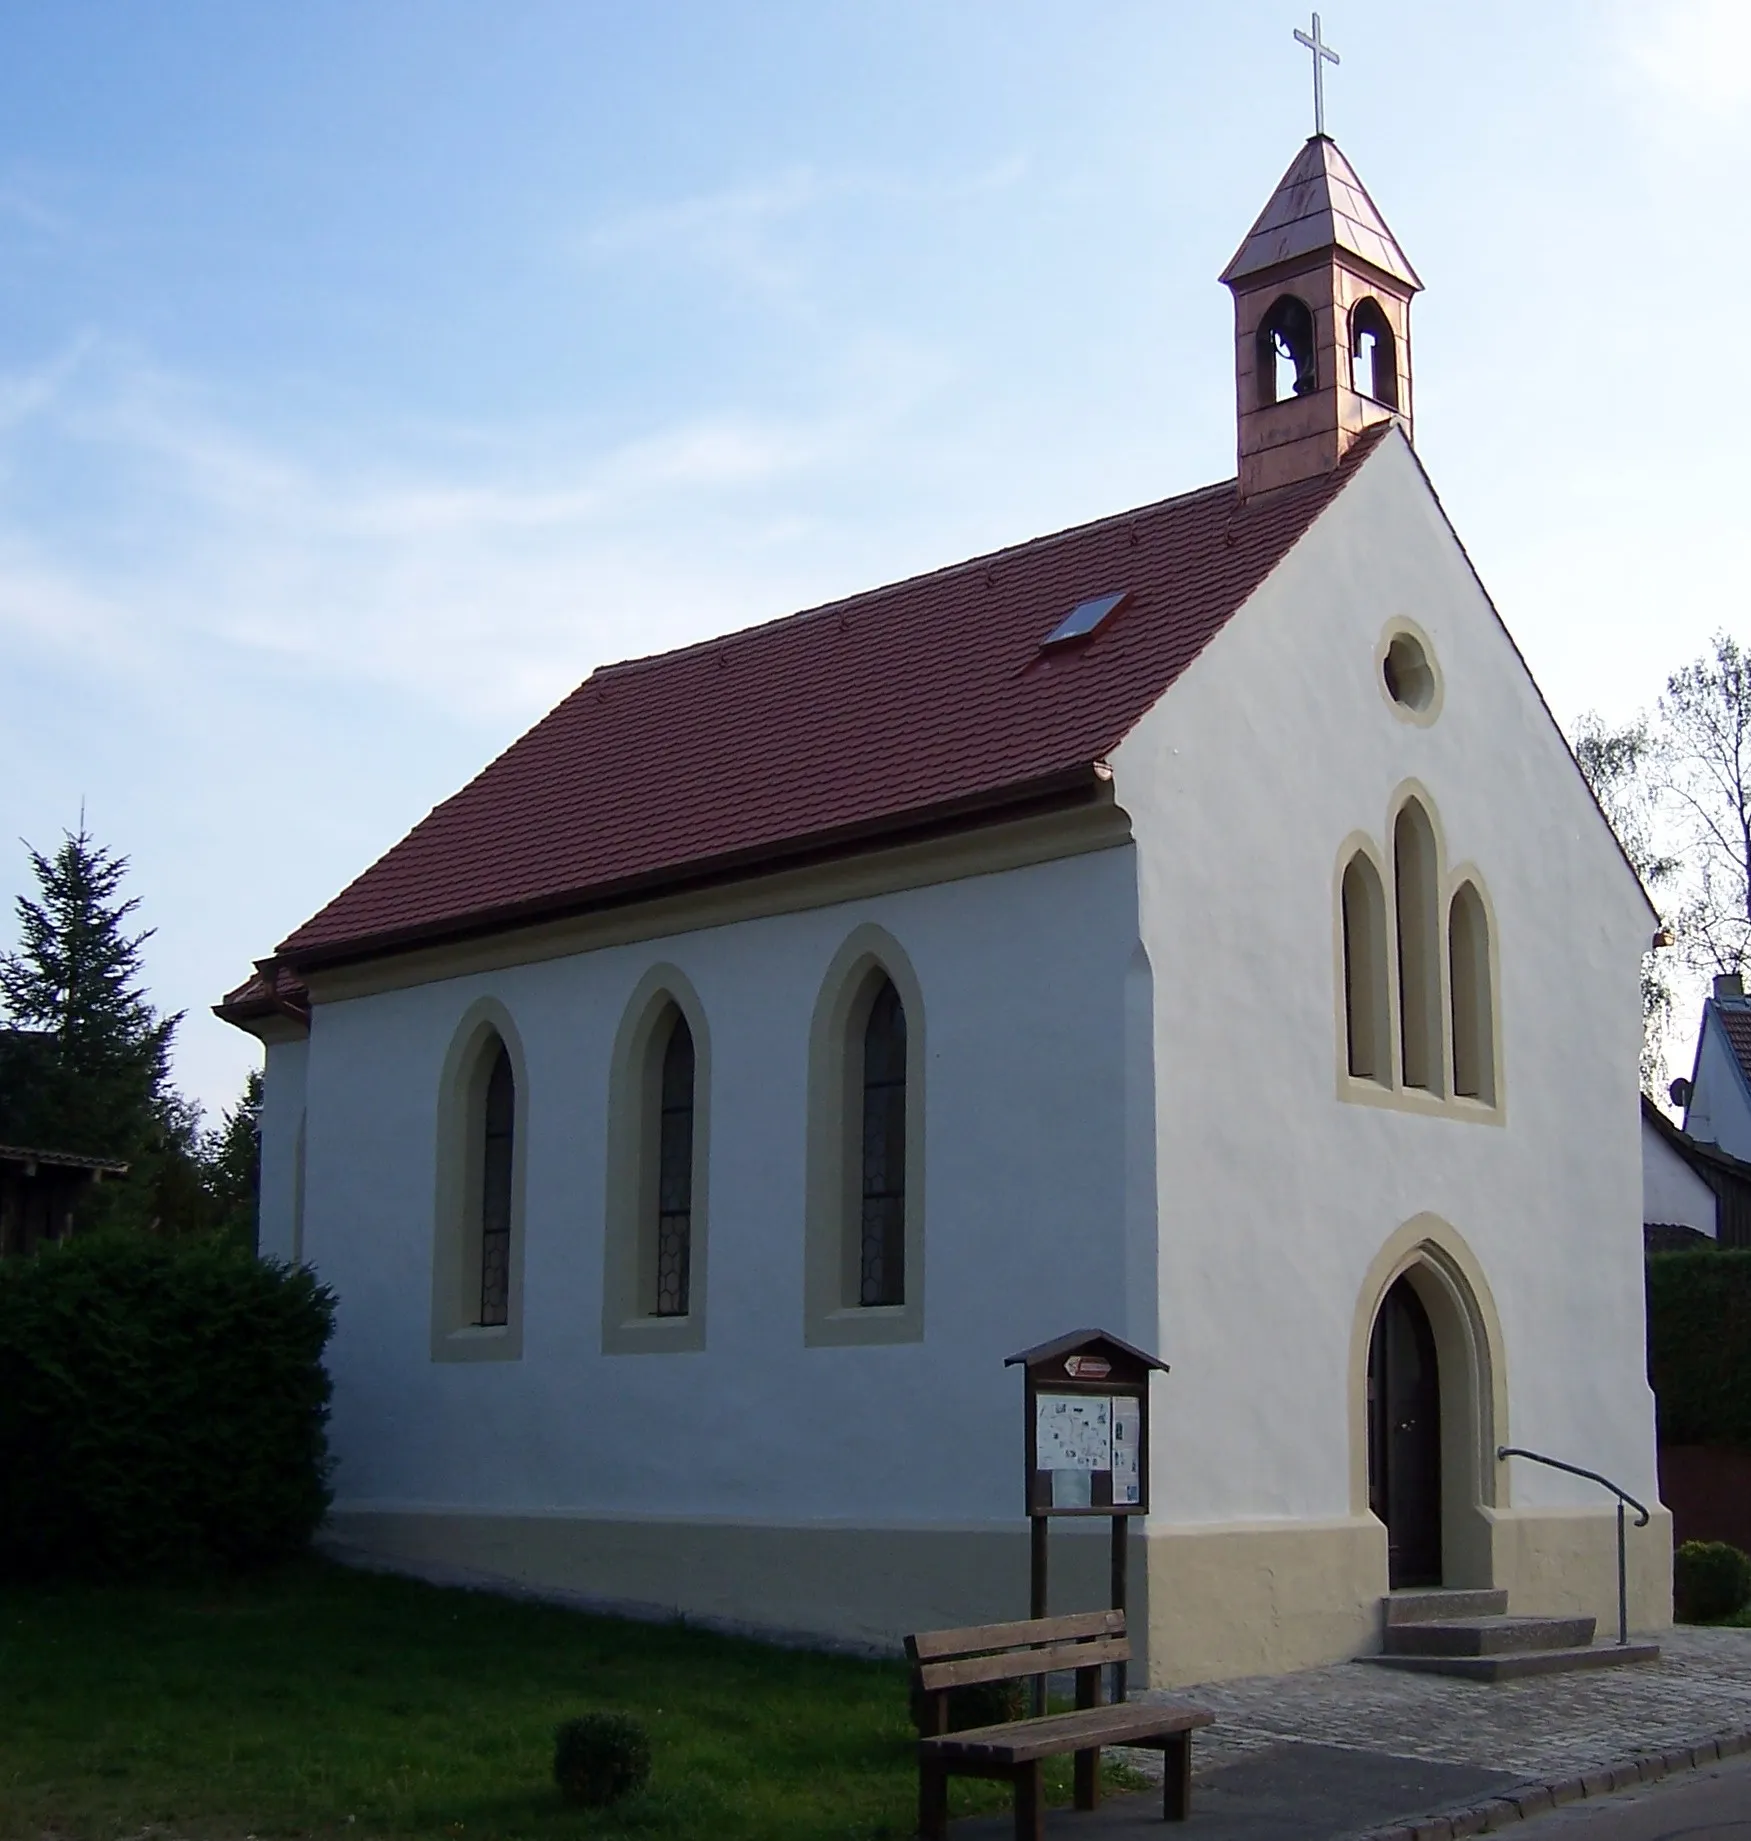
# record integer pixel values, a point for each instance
(1542, 1727)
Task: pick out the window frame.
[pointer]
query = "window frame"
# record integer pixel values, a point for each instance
(1425, 716)
(1367, 995)
(1419, 963)
(833, 1240)
(1485, 1004)
(456, 1332)
(630, 1218)
(1389, 1088)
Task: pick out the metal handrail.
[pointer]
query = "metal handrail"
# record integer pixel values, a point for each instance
(1504, 1452)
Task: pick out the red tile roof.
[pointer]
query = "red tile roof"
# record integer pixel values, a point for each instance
(272, 990)
(1736, 1026)
(898, 708)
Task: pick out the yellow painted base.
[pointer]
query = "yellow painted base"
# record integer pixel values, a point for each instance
(1558, 1562)
(1262, 1598)
(1208, 1603)
(865, 1586)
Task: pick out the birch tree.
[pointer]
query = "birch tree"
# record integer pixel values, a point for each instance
(1702, 771)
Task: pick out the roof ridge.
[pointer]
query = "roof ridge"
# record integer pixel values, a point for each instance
(942, 571)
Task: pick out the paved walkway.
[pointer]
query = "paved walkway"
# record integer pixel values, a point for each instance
(1548, 1726)
(1346, 1751)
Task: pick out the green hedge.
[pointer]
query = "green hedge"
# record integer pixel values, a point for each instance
(1710, 1581)
(1699, 1346)
(163, 1408)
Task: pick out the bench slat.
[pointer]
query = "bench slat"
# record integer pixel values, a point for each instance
(1131, 1722)
(934, 1676)
(932, 1645)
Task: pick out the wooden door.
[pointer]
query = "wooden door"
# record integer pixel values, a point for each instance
(1404, 1437)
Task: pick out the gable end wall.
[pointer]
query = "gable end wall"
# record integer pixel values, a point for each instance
(1276, 1196)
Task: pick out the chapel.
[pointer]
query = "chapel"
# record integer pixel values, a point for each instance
(1192, 923)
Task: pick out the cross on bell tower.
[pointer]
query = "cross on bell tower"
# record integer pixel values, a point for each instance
(1322, 298)
(1322, 55)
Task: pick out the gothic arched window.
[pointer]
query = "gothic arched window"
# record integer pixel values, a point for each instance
(654, 1219)
(1415, 876)
(477, 1247)
(498, 1124)
(674, 1197)
(1368, 1050)
(864, 1218)
(1285, 361)
(1468, 953)
(882, 1220)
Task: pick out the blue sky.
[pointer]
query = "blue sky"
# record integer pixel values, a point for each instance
(369, 372)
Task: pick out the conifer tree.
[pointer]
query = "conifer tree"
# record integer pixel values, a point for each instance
(231, 1165)
(96, 1079)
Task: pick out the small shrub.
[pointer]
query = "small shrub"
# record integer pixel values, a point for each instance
(1710, 1581)
(981, 1703)
(163, 1408)
(599, 1758)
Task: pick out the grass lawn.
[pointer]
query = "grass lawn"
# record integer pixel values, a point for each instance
(324, 1702)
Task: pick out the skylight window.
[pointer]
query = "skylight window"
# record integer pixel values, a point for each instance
(1085, 617)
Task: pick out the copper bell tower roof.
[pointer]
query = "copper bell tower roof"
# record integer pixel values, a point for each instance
(1320, 204)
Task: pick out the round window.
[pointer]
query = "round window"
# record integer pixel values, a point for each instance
(1409, 676)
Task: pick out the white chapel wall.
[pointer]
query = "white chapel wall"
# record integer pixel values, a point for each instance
(282, 1122)
(1275, 1196)
(1025, 977)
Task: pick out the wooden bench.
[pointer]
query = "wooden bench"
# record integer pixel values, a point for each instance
(1086, 1643)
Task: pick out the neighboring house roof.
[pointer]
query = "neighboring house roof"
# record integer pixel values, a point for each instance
(1728, 1017)
(1320, 203)
(1729, 1177)
(62, 1160)
(928, 702)
(1735, 1022)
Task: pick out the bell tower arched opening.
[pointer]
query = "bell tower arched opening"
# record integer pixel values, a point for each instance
(1373, 353)
(1285, 365)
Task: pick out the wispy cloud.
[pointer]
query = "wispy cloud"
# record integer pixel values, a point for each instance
(488, 586)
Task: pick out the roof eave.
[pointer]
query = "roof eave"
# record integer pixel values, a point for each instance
(1265, 272)
(1085, 780)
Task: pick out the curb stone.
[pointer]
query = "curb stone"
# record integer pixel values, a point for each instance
(1534, 1797)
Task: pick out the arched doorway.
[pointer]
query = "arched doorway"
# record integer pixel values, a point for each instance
(1404, 1437)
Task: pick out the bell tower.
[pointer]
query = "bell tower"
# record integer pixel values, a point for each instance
(1322, 323)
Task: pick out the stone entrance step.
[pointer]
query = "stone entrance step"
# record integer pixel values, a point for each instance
(1439, 1602)
(1488, 1636)
(1468, 1633)
(1515, 1665)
